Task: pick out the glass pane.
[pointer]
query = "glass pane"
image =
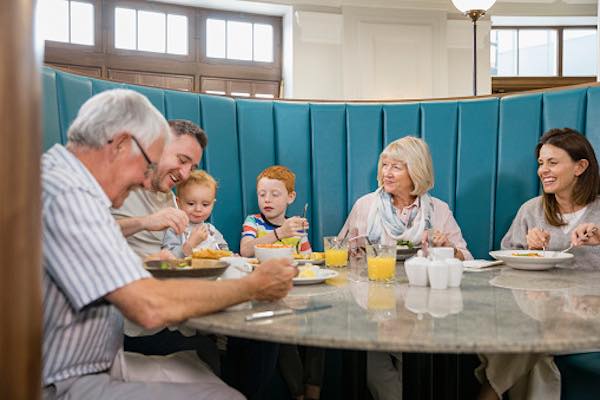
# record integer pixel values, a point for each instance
(503, 54)
(537, 52)
(239, 40)
(82, 23)
(240, 94)
(54, 20)
(215, 38)
(579, 52)
(151, 31)
(125, 28)
(177, 34)
(264, 96)
(263, 43)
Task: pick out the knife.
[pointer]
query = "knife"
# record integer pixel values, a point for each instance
(285, 311)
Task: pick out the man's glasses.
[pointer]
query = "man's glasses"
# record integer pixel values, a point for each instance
(151, 164)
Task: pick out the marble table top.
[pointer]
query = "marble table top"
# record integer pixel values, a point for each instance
(504, 310)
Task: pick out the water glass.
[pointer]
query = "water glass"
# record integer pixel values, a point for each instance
(381, 262)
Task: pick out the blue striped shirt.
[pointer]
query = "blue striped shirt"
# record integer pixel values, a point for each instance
(85, 257)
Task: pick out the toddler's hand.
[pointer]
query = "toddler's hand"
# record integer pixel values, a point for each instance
(198, 235)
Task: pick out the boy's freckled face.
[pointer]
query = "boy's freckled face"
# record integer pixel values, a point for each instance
(197, 201)
(273, 197)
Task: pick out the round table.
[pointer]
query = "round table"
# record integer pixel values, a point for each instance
(503, 310)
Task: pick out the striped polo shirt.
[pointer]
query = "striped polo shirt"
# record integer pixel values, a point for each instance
(85, 257)
(257, 225)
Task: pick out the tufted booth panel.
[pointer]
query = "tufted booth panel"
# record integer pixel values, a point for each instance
(482, 149)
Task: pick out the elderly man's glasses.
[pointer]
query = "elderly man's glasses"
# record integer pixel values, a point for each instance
(151, 164)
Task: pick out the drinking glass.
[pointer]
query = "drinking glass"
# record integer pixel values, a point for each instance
(381, 262)
(336, 252)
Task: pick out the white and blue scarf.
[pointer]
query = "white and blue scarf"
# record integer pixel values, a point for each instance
(383, 219)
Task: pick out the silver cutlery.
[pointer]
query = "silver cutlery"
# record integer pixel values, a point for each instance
(285, 311)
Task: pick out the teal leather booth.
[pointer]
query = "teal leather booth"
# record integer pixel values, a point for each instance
(483, 149)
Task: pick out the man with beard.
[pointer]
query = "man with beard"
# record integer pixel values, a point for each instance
(146, 214)
(144, 217)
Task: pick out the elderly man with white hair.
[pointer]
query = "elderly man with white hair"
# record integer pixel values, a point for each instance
(92, 278)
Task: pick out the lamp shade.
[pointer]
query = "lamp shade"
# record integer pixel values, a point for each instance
(468, 5)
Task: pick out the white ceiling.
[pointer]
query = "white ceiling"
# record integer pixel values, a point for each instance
(502, 7)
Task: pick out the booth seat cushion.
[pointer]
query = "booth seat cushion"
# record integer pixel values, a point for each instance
(580, 376)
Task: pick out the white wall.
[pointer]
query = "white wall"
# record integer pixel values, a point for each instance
(460, 57)
(375, 53)
(598, 37)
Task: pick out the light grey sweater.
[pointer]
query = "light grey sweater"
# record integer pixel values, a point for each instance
(531, 215)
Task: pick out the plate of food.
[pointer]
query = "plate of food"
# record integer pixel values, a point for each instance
(315, 258)
(211, 254)
(186, 268)
(532, 260)
(406, 249)
(312, 274)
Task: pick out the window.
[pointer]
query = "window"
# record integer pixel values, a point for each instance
(67, 21)
(235, 40)
(240, 87)
(543, 52)
(151, 31)
(579, 52)
(165, 45)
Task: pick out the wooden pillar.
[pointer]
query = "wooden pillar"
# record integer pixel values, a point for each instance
(20, 240)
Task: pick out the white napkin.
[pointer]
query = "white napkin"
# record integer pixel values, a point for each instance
(480, 265)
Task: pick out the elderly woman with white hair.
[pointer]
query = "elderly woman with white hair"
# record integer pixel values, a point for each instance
(402, 209)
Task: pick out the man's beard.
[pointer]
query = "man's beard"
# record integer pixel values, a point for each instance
(155, 183)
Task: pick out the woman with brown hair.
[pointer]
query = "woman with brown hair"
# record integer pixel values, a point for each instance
(568, 172)
(567, 212)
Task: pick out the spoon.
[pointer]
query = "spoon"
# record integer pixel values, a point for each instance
(371, 244)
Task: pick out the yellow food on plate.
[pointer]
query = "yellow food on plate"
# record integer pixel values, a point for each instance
(273, 246)
(317, 256)
(211, 254)
(527, 254)
(307, 273)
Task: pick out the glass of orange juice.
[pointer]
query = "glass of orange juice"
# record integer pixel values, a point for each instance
(381, 262)
(336, 252)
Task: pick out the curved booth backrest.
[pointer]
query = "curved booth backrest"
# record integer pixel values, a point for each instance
(482, 149)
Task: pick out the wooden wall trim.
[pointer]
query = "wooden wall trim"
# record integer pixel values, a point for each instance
(20, 239)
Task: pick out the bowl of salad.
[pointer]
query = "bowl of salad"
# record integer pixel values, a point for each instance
(406, 249)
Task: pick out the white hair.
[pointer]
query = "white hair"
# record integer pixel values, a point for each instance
(117, 111)
(415, 153)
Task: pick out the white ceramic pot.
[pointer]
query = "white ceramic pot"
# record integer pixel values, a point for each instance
(455, 272)
(416, 271)
(438, 274)
(441, 253)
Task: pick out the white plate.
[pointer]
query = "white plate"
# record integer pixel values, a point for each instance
(322, 276)
(546, 259)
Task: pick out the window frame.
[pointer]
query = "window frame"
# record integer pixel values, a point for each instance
(111, 5)
(105, 57)
(275, 23)
(506, 84)
(98, 42)
(559, 45)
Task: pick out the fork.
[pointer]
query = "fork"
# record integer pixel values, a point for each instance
(571, 245)
(303, 230)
